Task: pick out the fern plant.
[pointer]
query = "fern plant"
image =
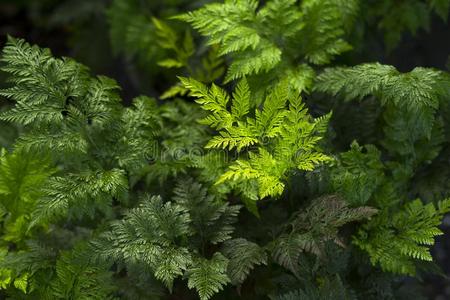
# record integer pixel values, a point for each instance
(22, 178)
(105, 198)
(396, 241)
(173, 238)
(285, 138)
(399, 235)
(278, 42)
(69, 118)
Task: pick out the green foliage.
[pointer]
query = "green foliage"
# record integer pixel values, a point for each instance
(208, 276)
(30, 267)
(395, 17)
(79, 195)
(417, 89)
(76, 278)
(285, 136)
(81, 117)
(395, 238)
(330, 289)
(358, 175)
(243, 256)
(269, 41)
(157, 45)
(110, 198)
(395, 241)
(312, 228)
(410, 100)
(171, 238)
(22, 179)
(55, 112)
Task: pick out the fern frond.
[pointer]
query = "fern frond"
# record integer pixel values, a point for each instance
(208, 276)
(211, 220)
(77, 278)
(258, 37)
(419, 88)
(83, 192)
(313, 227)
(325, 24)
(169, 237)
(23, 176)
(286, 138)
(396, 240)
(243, 256)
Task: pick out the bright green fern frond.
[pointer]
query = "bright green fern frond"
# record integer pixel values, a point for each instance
(285, 135)
(23, 177)
(241, 100)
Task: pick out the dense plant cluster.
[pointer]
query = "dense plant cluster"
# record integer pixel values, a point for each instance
(266, 168)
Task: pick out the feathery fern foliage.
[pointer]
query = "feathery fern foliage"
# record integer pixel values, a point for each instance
(396, 241)
(79, 214)
(310, 229)
(79, 120)
(411, 101)
(172, 238)
(270, 40)
(284, 135)
(399, 235)
(22, 178)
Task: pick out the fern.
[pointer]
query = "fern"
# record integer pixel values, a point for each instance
(160, 235)
(286, 137)
(79, 211)
(358, 175)
(258, 37)
(397, 240)
(312, 228)
(243, 256)
(208, 276)
(76, 278)
(399, 235)
(410, 101)
(87, 122)
(60, 102)
(79, 195)
(22, 178)
(29, 267)
(134, 36)
(417, 89)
